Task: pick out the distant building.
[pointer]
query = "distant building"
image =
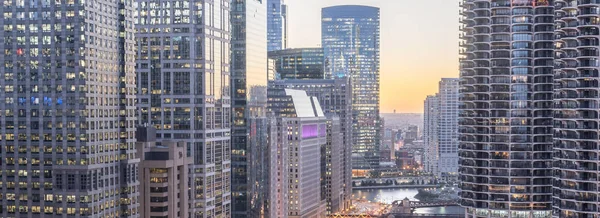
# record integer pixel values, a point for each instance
(430, 134)
(163, 173)
(277, 25)
(335, 97)
(448, 126)
(411, 134)
(299, 63)
(441, 129)
(302, 131)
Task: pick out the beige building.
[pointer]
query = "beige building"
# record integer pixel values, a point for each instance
(163, 173)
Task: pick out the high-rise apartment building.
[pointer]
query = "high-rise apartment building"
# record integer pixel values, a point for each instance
(163, 173)
(430, 134)
(299, 63)
(576, 115)
(335, 97)
(350, 40)
(302, 131)
(67, 117)
(249, 100)
(277, 25)
(183, 68)
(441, 129)
(448, 127)
(506, 69)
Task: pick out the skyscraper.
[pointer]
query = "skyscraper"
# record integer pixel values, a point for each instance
(335, 97)
(576, 115)
(67, 117)
(448, 127)
(430, 133)
(277, 23)
(505, 127)
(299, 63)
(249, 87)
(440, 133)
(350, 40)
(184, 92)
(301, 130)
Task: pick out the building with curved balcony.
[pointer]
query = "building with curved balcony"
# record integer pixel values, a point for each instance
(576, 109)
(505, 124)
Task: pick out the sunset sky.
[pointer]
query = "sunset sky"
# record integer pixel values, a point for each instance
(419, 45)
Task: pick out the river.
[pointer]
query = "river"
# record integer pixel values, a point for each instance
(389, 195)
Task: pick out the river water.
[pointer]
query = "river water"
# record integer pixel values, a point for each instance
(390, 195)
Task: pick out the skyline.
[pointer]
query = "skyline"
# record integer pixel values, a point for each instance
(407, 77)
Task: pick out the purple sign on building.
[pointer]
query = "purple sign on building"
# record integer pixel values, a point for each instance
(310, 131)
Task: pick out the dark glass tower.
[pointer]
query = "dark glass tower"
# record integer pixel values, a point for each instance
(350, 40)
(505, 127)
(299, 63)
(249, 88)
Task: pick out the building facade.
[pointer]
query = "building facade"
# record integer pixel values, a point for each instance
(249, 88)
(302, 129)
(277, 25)
(299, 63)
(163, 173)
(448, 126)
(334, 187)
(576, 115)
(183, 68)
(430, 134)
(506, 67)
(335, 97)
(350, 40)
(67, 117)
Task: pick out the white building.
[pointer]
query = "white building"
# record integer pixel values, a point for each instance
(441, 129)
(302, 132)
(448, 126)
(430, 129)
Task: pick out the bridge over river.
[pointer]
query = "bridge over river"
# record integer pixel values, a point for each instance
(407, 206)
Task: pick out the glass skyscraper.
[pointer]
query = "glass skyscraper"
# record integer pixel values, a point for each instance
(277, 34)
(299, 63)
(67, 117)
(505, 127)
(249, 101)
(184, 92)
(350, 40)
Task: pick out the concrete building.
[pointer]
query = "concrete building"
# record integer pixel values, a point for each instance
(249, 76)
(334, 187)
(441, 129)
(506, 82)
(277, 25)
(334, 96)
(302, 131)
(430, 134)
(350, 40)
(163, 173)
(575, 105)
(448, 126)
(183, 67)
(67, 117)
(299, 63)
